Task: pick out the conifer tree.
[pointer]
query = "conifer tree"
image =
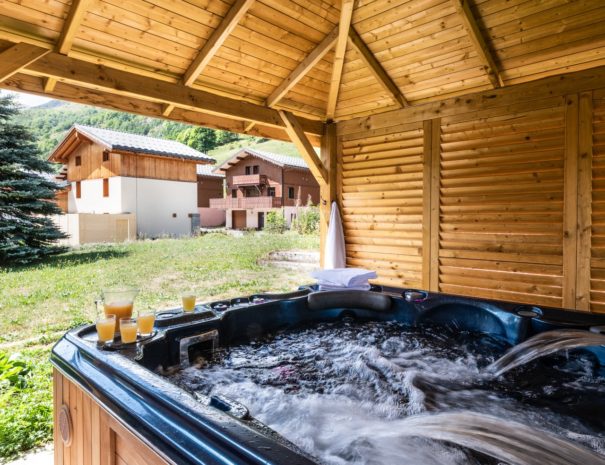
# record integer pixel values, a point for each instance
(26, 196)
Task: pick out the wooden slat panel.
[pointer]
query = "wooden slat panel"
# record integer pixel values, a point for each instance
(597, 239)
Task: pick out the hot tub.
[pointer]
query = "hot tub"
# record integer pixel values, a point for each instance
(122, 404)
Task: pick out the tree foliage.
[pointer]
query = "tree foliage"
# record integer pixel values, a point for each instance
(26, 196)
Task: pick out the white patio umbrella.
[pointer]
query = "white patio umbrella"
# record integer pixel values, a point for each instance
(334, 247)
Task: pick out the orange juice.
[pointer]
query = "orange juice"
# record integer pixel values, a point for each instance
(106, 328)
(121, 309)
(145, 322)
(128, 330)
(188, 302)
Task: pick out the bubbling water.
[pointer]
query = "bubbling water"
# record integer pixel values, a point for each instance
(344, 392)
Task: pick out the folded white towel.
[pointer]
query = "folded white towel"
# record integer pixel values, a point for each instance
(328, 287)
(344, 277)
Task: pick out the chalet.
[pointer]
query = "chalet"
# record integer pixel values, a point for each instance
(258, 182)
(123, 186)
(209, 184)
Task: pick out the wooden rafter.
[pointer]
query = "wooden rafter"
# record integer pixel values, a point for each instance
(474, 33)
(376, 68)
(167, 108)
(346, 13)
(303, 68)
(118, 82)
(72, 23)
(249, 126)
(214, 42)
(17, 57)
(297, 135)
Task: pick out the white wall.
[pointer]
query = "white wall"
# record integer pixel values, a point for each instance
(92, 200)
(155, 201)
(252, 216)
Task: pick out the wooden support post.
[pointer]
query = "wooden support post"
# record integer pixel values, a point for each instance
(297, 135)
(346, 13)
(427, 163)
(327, 192)
(435, 182)
(584, 205)
(214, 42)
(570, 202)
(303, 68)
(17, 57)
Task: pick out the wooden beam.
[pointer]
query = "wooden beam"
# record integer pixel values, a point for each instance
(327, 192)
(71, 25)
(297, 135)
(99, 77)
(474, 33)
(303, 68)
(435, 182)
(167, 108)
(17, 57)
(249, 126)
(346, 13)
(376, 68)
(214, 42)
(49, 85)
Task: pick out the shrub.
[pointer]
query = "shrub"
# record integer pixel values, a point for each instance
(275, 222)
(307, 220)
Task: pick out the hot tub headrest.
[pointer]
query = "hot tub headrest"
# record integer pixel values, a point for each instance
(349, 299)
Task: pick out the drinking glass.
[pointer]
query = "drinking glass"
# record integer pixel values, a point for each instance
(128, 330)
(118, 302)
(145, 321)
(106, 328)
(188, 299)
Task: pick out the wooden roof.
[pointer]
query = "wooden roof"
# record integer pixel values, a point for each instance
(233, 64)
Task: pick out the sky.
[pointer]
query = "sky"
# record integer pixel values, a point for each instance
(27, 100)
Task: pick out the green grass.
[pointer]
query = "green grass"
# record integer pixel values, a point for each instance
(40, 302)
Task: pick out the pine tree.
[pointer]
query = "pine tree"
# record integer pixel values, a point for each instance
(26, 231)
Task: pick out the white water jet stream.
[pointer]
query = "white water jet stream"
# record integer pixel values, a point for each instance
(544, 344)
(510, 441)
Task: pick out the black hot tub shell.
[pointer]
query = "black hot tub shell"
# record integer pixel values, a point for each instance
(186, 431)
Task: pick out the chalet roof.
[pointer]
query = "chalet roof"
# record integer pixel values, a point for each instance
(208, 170)
(275, 158)
(116, 140)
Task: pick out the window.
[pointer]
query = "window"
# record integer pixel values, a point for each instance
(290, 192)
(78, 161)
(247, 170)
(271, 191)
(105, 156)
(255, 169)
(234, 193)
(105, 187)
(78, 190)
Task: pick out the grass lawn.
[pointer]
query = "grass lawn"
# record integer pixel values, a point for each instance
(39, 302)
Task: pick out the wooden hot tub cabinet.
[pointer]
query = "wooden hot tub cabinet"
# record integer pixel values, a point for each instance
(89, 434)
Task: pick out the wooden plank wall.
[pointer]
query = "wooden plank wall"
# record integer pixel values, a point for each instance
(143, 166)
(498, 194)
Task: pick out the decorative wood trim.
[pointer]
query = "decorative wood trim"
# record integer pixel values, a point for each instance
(167, 109)
(346, 13)
(303, 145)
(327, 192)
(216, 40)
(435, 203)
(474, 33)
(376, 68)
(119, 82)
(303, 68)
(584, 201)
(72, 23)
(570, 202)
(17, 57)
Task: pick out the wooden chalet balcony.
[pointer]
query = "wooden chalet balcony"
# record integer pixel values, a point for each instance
(249, 180)
(246, 203)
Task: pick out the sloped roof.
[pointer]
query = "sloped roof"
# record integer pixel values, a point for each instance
(116, 140)
(275, 158)
(209, 170)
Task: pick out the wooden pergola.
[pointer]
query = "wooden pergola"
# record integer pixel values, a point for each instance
(463, 140)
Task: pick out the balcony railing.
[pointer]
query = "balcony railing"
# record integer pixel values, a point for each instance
(249, 180)
(246, 203)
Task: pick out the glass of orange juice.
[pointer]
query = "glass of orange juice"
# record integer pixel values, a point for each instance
(145, 321)
(119, 302)
(106, 327)
(128, 330)
(188, 299)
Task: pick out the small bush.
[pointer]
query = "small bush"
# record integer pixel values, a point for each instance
(307, 220)
(275, 222)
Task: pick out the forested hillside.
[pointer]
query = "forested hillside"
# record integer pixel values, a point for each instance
(50, 122)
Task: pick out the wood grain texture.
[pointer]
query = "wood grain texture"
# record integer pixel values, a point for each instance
(17, 57)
